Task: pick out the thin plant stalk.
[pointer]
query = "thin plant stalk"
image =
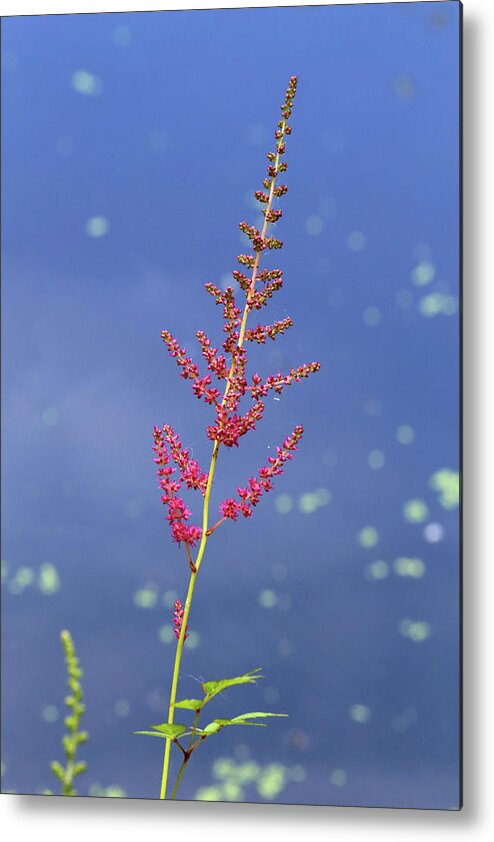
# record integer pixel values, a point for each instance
(205, 515)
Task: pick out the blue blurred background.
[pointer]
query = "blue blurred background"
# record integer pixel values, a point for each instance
(132, 144)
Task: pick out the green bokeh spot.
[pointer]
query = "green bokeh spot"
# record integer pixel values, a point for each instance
(376, 460)
(405, 434)
(146, 597)
(48, 579)
(368, 537)
(283, 504)
(447, 483)
(415, 511)
(360, 713)
(377, 570)
(424, 273)
(268, 598)
(415, 630)
(413, 567)
(338, 777)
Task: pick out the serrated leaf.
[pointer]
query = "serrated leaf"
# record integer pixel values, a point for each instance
(212, 688)
(256, 715)
(212, 728)
(171, 731)
(217, 724)
(189, 704)
(152, 734)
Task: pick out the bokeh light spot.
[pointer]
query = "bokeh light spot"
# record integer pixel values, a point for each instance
(283, 504)
(122, 36)
(193, 640)
(314, 225)
(371, 316)
(447, 483)
(415, 511)
(405, 434)
(436, 303)
(377, 570)
(122, 708)
(356, 241)
(307, 503)
(279, 571)
(368, 537)
(376, 460)
(404, 87)
(271, 781)
(423, 273)
(146, 597)
(338, 777)
(86, 83)
(268, 598)
(50, 416)
(415, 630)
(169, 598)
(209, 793)
(24, 576)
(50, 713)
(413, 567)
(360, 713)
(97, 226)
(166, 633)
(372, 407)
(433, 533)
(48, 579)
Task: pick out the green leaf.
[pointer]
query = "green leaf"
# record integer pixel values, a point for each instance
(151, 734)
(212, 728)
(218, 724)
(170, 732)
(190, 704)
(256, 715)
(212, 688)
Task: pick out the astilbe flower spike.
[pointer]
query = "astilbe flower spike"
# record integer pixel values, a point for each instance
(178, 617)
(240, 407)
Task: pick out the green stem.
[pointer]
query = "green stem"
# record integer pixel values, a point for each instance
(188, 601)
(205, 517)
(179, 777)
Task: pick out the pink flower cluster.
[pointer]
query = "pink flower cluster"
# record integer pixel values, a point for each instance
(227, 364)
(166, 445)
(250, 495)
(178, 618)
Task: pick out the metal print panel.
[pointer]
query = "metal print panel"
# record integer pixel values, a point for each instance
(231, 298)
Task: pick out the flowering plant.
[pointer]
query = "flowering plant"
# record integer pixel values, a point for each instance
(232, 420)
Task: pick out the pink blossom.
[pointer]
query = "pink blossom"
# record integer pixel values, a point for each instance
(227, 362)
(230, 508)
(178, 618)
(250, 494)
(178, 512)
